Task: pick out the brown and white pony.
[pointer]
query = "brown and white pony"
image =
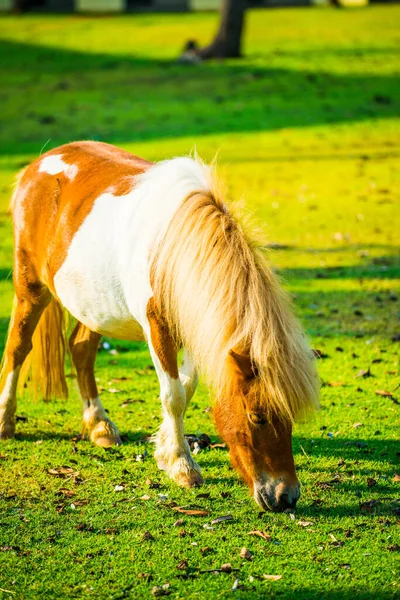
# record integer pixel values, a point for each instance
(136, 250)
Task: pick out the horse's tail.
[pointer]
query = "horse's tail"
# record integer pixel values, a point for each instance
(45, 364)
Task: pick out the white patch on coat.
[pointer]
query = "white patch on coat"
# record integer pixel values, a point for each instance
(188, 376)
(105, 279)
(53, 165)
(8, 400)
(93, 411)
(10, 387)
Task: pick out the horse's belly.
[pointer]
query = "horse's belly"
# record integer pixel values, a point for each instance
(88, 284)
(97, 301)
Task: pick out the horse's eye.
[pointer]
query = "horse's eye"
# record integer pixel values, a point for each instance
(257, 418)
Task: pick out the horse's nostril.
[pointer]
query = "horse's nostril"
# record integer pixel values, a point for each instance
(286, 502)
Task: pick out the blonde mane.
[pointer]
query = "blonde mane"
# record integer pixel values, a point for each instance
(216, 292)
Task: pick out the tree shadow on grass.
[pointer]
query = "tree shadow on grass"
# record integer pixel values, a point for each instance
(62, 95)
(353, 313)
(335, 479)
(313, 593)
(130, 438)
(6, 274)
(381, 267)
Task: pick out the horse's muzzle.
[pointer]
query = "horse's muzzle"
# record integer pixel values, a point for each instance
(276, 495)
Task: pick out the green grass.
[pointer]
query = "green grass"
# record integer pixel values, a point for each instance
(308, 136)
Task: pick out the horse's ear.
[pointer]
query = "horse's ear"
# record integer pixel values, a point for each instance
(243, 364)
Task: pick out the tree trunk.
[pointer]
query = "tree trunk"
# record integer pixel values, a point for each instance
(18, 6)
(227, 42)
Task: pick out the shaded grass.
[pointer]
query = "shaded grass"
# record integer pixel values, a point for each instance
(306, 124)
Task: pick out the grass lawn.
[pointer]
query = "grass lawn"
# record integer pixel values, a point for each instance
(307, 134)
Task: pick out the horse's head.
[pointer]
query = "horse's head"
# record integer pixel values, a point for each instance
(260, 443)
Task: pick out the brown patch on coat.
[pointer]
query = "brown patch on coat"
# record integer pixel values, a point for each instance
(49, 209)
(258, 442)
(162, 341)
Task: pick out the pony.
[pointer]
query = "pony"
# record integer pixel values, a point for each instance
(150, 251)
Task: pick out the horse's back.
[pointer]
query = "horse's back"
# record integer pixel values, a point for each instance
(86, 225)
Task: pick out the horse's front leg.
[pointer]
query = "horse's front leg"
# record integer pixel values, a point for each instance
(172, 450)
(188, 376)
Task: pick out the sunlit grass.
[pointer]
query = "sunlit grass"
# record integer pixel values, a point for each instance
(307, 133)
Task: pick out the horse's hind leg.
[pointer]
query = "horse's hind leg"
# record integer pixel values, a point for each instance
(83, 344)
(172, 450)
(26, 313)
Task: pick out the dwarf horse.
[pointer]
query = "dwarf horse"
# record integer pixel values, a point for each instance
(136, 250)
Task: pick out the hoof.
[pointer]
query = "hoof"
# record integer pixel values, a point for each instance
(190, 480)
(104, 434)
(7, 432)
(108, 442)
(184, 471)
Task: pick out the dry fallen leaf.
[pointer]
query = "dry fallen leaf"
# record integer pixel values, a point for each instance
(79, 503)
(192, 512)
(337, 544)
(336, 383)
(85, 527)
(245, 553)
(183, 533)
(198, 442)
(154, 485)
(369, 505)
(130, 401)
(356, 425)
(272, 577)
(384, 393)
(182, 565)
(324, 485)
(226, 568)
(317, 502)
(178, 523)
(160, 591)
(371, 482)
(304, 523)
(147, 536)
(144, 497)
(146, 576)
(221, 519)
(394, 548)
(261, 534)
(63, 472)
(396, 478)
(364, 373)
(66, 493)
